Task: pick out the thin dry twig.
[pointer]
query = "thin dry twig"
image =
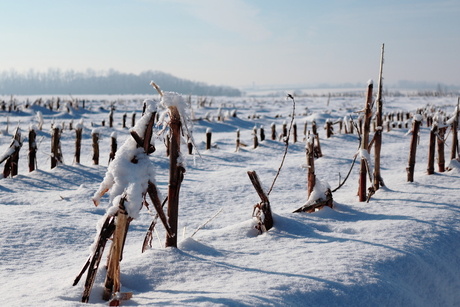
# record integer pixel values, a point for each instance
(157, 88)
(209, 220)
(354, 158)
(287, 143)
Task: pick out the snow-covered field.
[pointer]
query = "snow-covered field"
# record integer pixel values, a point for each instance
(400, 249)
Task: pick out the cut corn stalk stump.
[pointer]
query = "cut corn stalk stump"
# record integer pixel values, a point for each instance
(365, 144)
(454, 127)
(431, 149)
(313, 204)
(413, 148)
(11, 155)
(78, 137)
(56, 152)
(32, 150)
(440, 149)
(176, 175)
(95, 137)
(112, 280)
(262, 211)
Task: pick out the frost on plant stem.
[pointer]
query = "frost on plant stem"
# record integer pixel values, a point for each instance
(219, 112)
(40, 119)
(173, 99)
(450, 121)
(440, 120)
(453, 117)
(310, 140)
(347, 122)
(364, 155)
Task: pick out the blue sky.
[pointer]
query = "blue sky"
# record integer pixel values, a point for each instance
(237, 42)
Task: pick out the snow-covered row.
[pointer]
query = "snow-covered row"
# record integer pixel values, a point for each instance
(400, 249)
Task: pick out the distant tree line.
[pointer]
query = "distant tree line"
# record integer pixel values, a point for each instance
(426, 86)
(56, 81)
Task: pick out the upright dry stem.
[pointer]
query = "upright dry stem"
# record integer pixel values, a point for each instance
(287, 144)
(378, 133)
(175, 175)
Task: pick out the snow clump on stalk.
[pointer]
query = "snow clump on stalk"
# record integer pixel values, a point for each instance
(170, 100)
(129, 172)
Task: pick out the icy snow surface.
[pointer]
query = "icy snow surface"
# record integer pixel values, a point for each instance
(400, 249)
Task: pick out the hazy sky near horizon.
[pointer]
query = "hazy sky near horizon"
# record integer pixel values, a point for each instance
(237, 42)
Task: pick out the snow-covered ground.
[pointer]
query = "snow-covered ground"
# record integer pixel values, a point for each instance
(400, 249)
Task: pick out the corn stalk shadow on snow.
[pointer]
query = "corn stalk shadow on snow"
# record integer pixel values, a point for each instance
(40, 180)
(292, 229)
(421, 185)
(230, 266)
(6, 190)
(408, 280)
(62, 178)
(140, 282)
(344, 213)
(230, 125)
(432, 203)
(200, 299)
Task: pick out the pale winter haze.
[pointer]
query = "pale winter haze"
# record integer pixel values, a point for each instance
(235, 42)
